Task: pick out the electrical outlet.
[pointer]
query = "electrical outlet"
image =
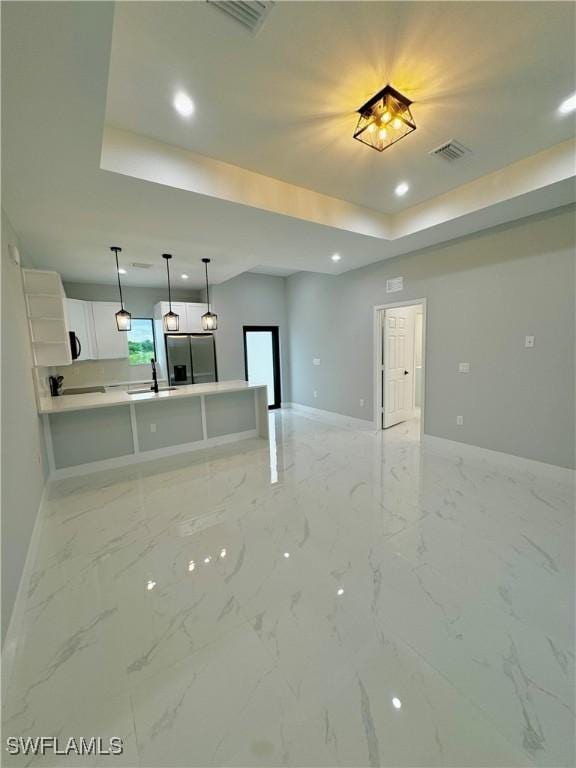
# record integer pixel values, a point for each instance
(315, 393)
(361, 402)
(459, 420)
(529, 342)
(152, 427)
(463, 367)
(315, 361)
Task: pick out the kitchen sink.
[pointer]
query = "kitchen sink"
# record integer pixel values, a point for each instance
(149, 389)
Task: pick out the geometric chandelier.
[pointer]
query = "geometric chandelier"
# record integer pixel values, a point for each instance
(384, 119)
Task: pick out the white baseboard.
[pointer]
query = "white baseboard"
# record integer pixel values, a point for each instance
(14, 631)
(338, 419)
(145, 456)
(465, 450)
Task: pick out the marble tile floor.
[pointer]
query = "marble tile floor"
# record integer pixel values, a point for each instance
(342, 598)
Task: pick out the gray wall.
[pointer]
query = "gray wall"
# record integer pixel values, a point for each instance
(23, 464)
(485, 293)
(249, 299)
(139, 301)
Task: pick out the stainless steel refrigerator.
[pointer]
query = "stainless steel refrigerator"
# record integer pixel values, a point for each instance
(191, 358)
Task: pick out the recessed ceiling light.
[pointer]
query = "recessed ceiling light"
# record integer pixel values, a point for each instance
(401, 189)
(396, 703)
(335, 257)
(340, 592)
(184, 277)
(121, 271)
(183, 104)
(568, 105)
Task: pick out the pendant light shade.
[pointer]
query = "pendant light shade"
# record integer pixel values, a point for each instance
(209, 319)
(123, 318)
(171, 319)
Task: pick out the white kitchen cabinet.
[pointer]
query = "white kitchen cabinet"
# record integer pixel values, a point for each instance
(194, 314)
(110, 342)
(189, 313)
(81, 322)
(180, 307)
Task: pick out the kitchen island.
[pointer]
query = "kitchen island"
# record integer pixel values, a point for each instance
(102, 430)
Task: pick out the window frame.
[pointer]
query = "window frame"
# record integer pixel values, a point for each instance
(151, 320)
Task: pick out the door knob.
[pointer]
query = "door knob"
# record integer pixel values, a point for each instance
(406, 373)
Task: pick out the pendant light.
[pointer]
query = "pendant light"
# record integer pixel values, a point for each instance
(123, 318)
(171, 319)
(209, 319)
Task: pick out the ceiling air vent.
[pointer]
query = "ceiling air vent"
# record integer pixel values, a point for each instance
(451, 150)
(140, 265)
(250, 13)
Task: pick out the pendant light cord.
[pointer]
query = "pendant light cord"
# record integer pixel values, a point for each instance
(207, 289)
(169, 291)
(118, 276)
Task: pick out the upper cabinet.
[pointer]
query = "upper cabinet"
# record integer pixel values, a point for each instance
(45, 307)
(194, 314)
(189, 313)
(81, 323)
(110, 342)
(94, 324)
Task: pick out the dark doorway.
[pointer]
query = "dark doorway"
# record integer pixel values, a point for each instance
(262, 359)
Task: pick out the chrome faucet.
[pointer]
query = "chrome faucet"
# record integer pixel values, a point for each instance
(154, 386)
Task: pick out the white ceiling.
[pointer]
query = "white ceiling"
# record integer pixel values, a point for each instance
(283, 102)
(57, 96)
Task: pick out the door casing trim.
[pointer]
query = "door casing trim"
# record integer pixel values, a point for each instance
(275, 331)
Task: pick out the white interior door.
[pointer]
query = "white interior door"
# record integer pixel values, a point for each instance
(398, 365)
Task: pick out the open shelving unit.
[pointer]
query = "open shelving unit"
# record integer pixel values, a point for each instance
(45, 306)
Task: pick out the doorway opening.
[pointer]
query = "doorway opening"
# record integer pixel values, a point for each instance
(262, 359)
(400, 344)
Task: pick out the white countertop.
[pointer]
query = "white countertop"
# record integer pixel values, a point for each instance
(92, 400)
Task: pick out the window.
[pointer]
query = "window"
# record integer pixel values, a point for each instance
(141, 346)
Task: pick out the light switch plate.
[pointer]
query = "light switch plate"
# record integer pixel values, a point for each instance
(463, 367)
(459, 420)
(315, 361)
(529, 342)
